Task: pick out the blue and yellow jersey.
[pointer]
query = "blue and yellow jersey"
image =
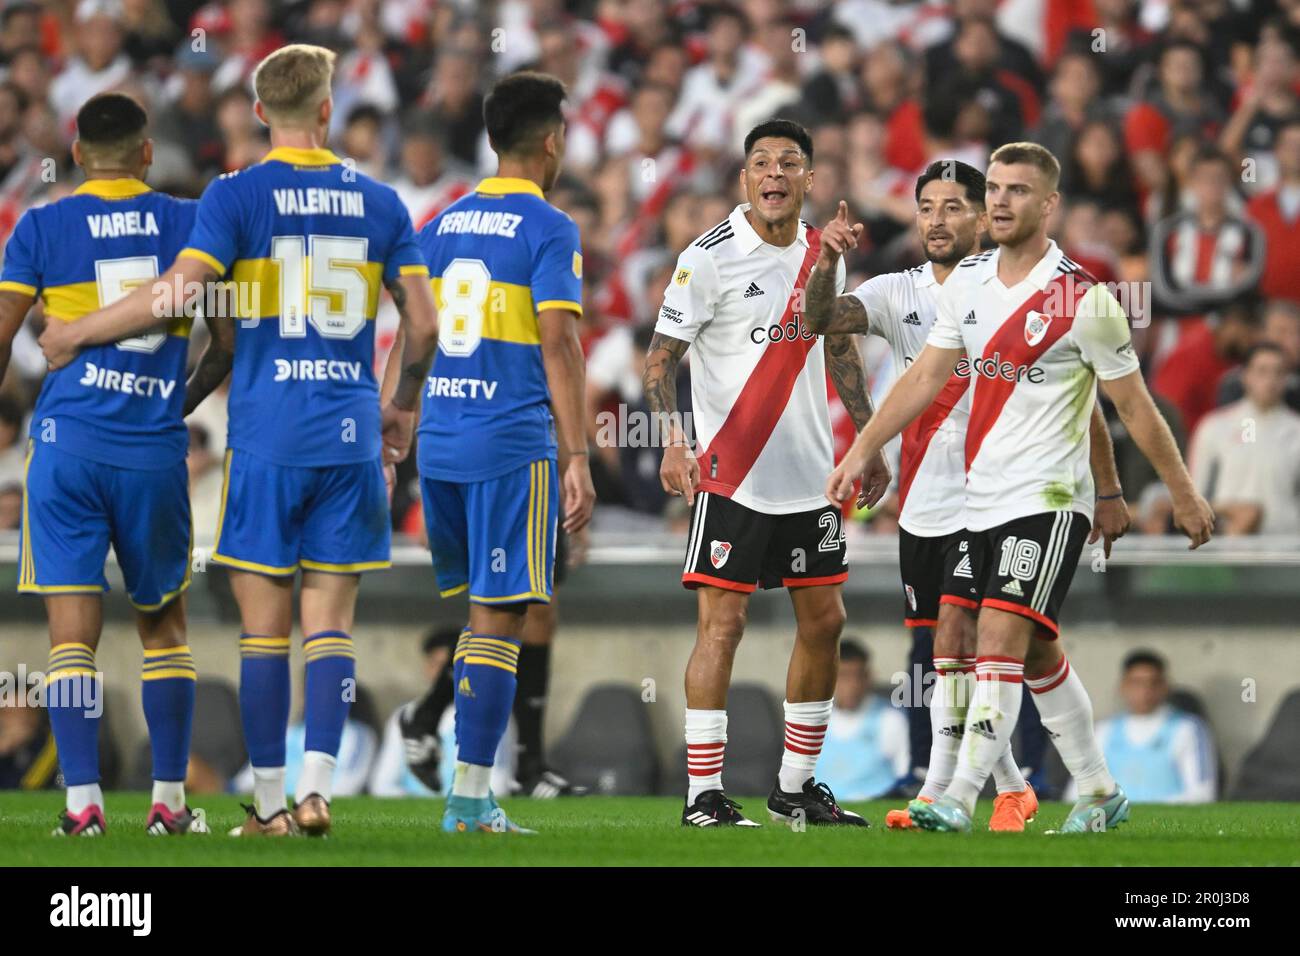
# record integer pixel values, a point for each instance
(497, 257)
(118, 404)
(308, 242)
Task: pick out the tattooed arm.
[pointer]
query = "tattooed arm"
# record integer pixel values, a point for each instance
(214, 364)
(827, 313)
(679, 471)
(849, 375)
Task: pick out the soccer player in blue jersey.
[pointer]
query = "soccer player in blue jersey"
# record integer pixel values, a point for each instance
(506, 271)
(308, 243)
(106, 457)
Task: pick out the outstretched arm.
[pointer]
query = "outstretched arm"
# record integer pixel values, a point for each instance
(844, 363)
(679, 471)
(909, 397)
(824, 311)
(142, 309)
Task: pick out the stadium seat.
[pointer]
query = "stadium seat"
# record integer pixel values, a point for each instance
(1271, 771)
(755, 735)
(609, 747)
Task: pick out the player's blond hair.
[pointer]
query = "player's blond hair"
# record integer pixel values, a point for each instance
(292, 82)
(1040, 157)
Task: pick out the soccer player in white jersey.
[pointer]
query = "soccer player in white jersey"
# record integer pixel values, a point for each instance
(934, 545)
(1039, 333)
(758, 387)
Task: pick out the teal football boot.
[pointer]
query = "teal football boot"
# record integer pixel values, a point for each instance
(482, 815)
(942, 816)
(1097, 814)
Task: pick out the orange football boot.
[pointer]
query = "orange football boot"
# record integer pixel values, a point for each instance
(1012, 810)
(901, 819)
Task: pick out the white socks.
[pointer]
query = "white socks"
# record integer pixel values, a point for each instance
(948, 703)
(170, 793)
(471, 780)
(317, 776)
(1066, 712)
(989, 724)
(706, 741)
(268, 791)
(84, 795)
(805, 729)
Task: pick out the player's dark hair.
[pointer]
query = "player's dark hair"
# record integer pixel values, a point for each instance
(950, 171)
(110, 118)
(853, 650)
(782, 129)
(521, 109)
(1143, 658)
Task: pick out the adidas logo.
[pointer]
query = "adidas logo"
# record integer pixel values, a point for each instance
(1013, 587)
(984, 728)
(970, 318)
(955, 730)
(911, 319)
(753, 290)
(464, 689)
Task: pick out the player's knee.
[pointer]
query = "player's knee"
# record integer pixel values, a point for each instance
(162, 628)
(724, 626)
(824, 626)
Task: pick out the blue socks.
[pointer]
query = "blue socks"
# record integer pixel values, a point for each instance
(331, 687)
(264, 697)
(74, 702)
(167, 692)
(485, 694)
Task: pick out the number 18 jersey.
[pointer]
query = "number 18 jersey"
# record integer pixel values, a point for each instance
(308, 242)
(497, 257)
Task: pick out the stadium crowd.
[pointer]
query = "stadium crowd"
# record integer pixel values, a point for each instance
(1177, 123)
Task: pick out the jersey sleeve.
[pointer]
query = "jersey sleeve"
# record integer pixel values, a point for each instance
(216, 236)
(22, 261)
(557, 269)
(946, 331)
(691, 296)
(405, 258)
(875, 299)
(1101, 331)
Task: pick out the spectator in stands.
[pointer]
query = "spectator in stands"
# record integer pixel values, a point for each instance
(1208, 256)
(1096, 169)
(1179, 104)
(1162, 754)
(429, 182)
(866, 750)
(1245, 457)
(99, 63)
(1277, 213)
(20, 28)
(1280, 327)
(1074, 101)
(833, 91)
(1268, 102)
(1190, 374)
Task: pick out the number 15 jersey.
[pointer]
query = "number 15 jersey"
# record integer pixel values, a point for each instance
(308, 242)
(497, 258)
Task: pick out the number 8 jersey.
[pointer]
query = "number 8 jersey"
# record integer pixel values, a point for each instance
(497, 258)
(308, 242)
(118, 404)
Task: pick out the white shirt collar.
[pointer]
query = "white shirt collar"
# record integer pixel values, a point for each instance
(747, 238)
(1039, 275)
(924, 276)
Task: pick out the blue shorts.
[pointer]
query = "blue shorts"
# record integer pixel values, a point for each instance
(74, 508)
(276, 519)
(494, 538)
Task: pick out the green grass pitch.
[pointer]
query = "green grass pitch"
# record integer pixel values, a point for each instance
(644, 831)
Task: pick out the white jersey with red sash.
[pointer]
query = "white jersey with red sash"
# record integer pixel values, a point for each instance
(1036, 351)
(758, 375)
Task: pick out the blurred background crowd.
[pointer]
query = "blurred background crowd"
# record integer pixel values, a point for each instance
(1177, 123)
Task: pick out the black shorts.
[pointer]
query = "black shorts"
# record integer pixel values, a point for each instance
(1025, 566)
(936, 570)
(734, 547)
